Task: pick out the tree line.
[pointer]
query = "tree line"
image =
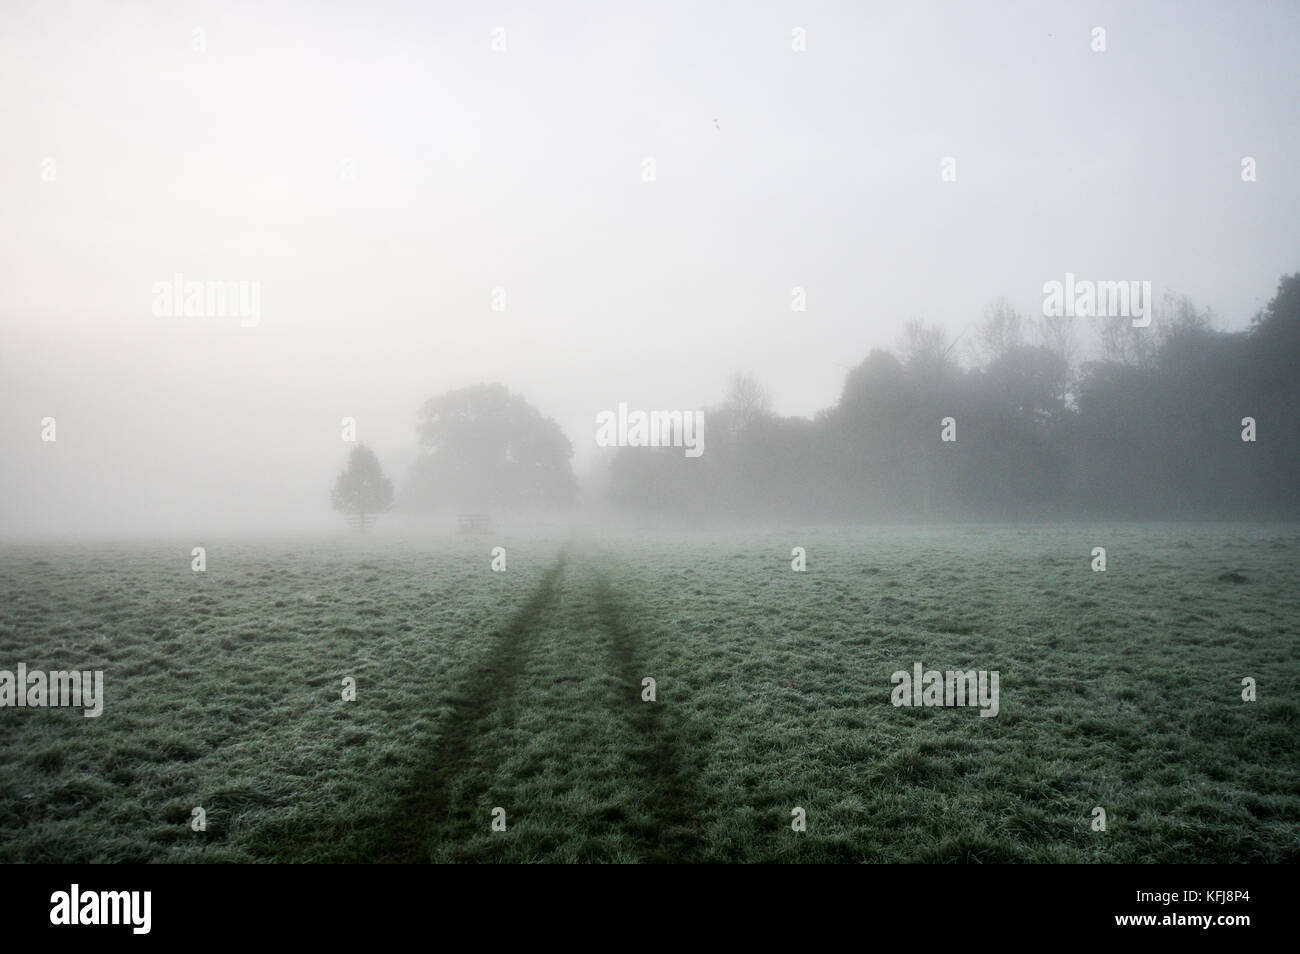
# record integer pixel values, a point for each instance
(1016, 418)
(1047, 418)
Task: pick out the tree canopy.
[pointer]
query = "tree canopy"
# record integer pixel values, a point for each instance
(483, 447)
(1157, 425)
(361, 490)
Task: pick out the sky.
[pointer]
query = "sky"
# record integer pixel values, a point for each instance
(385, 173)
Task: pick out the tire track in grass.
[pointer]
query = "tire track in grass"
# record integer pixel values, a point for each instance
(672, 797)
(429, 804)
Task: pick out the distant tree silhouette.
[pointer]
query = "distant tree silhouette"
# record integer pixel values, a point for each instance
(746, 404)
(1174, 419)
(869, 434)
(1280, 320)
(362, 491)
(927, 351)
(1271, 395)
(1013, 458)
(482, 447)
(1001, 330)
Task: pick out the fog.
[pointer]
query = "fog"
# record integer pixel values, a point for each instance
(427, 198)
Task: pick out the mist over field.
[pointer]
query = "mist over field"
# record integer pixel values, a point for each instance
(737, 432)
(429, 199)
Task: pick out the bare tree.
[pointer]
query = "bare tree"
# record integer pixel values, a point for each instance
(1000, 331)
(747, 401)
(1059, 336)
(1124, 343)
(927, 351)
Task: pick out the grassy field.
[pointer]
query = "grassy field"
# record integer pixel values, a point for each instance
(522, 690)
